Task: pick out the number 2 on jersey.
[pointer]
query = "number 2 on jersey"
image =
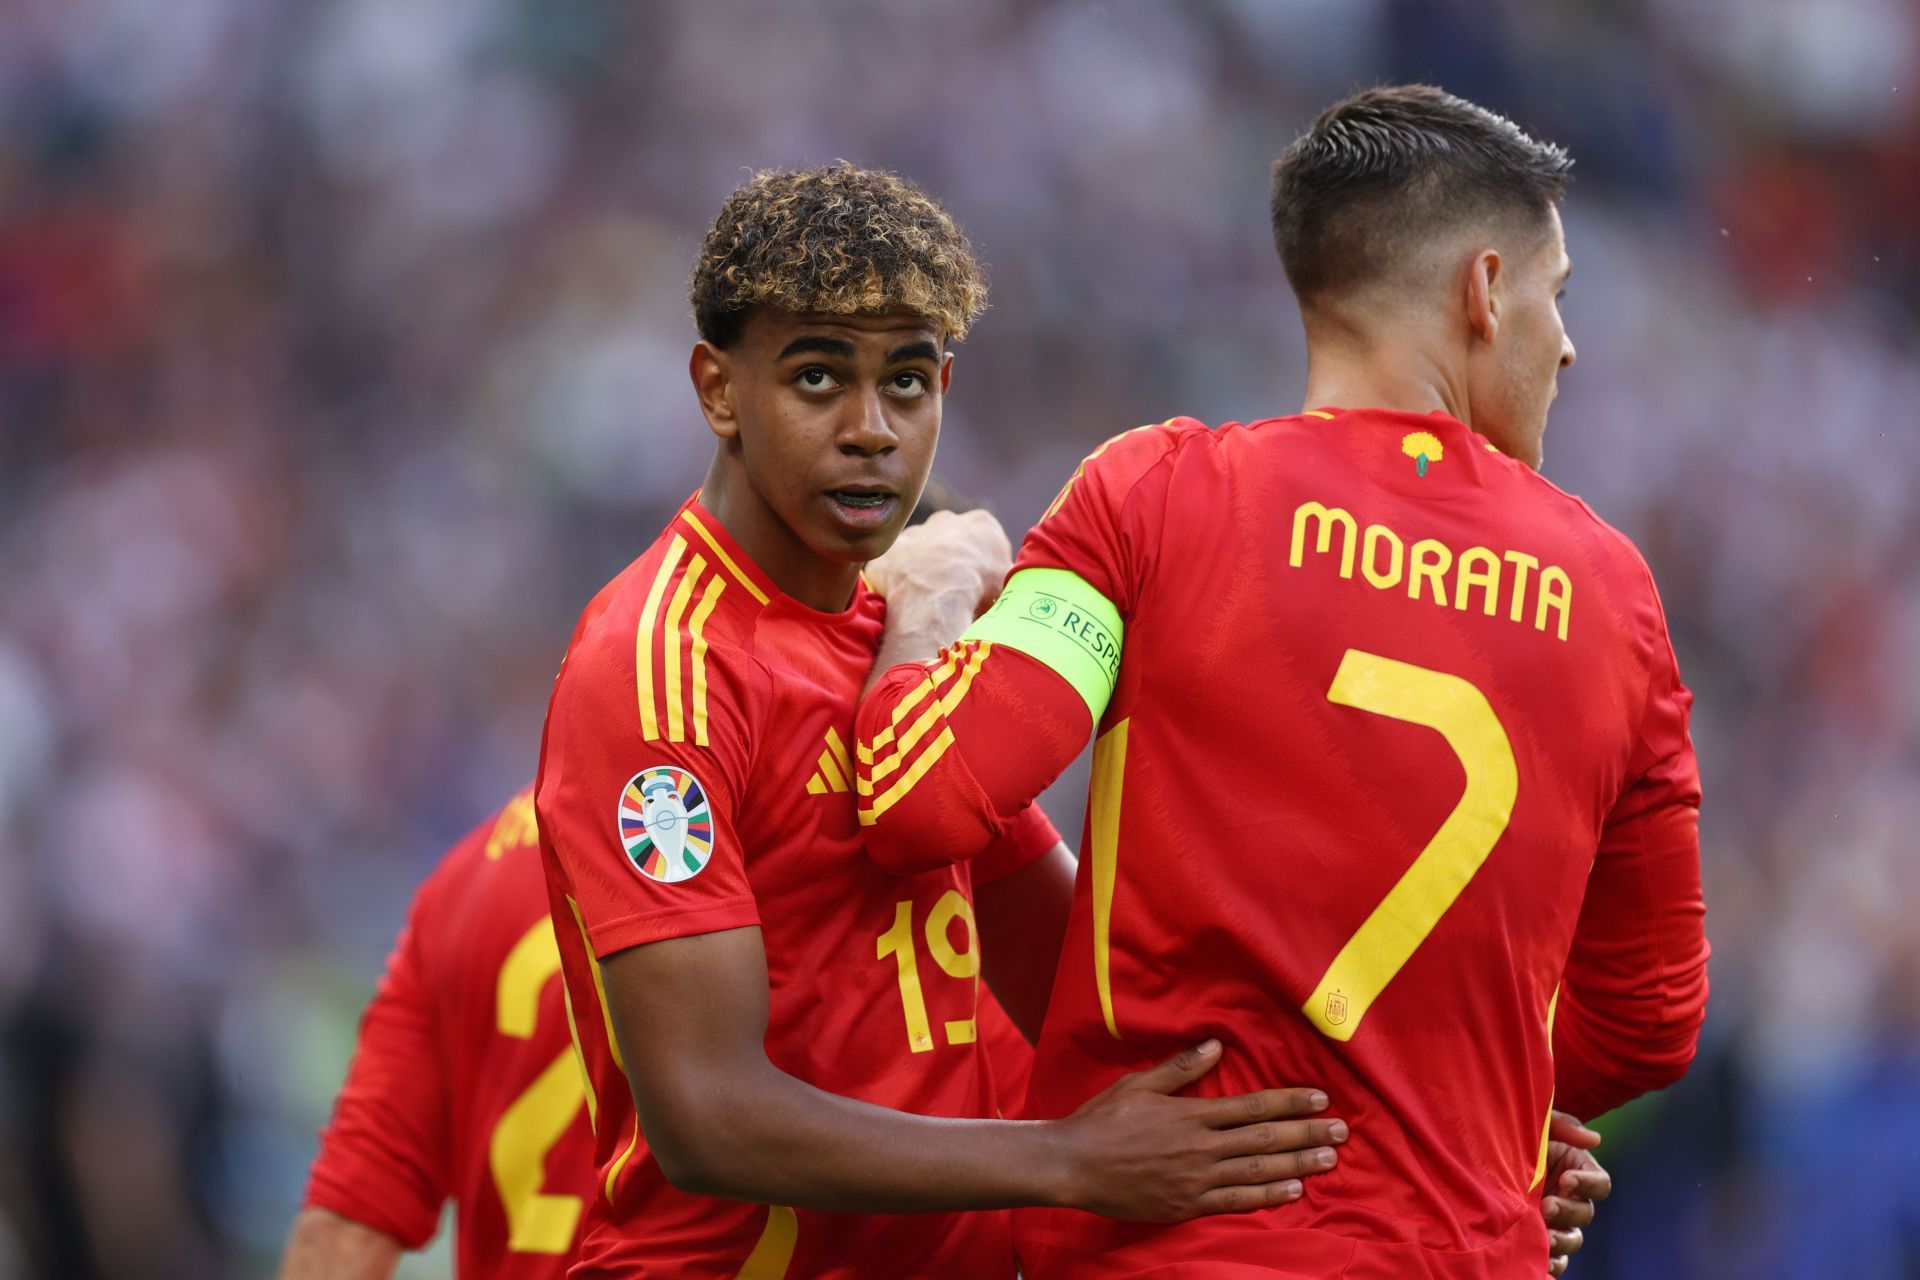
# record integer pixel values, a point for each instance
(1459, 712)
(528, 1129)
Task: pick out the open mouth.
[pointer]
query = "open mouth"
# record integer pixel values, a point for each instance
(861, 499)
(863, 510)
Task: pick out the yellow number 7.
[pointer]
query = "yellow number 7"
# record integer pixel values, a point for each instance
(1460, 714)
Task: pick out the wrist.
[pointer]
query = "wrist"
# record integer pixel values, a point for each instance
(1061, 1178)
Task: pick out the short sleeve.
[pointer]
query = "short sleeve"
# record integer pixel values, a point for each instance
(384, 1154)
(1104, 524)
(642, 818)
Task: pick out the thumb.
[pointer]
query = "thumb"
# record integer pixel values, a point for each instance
(1180, 1070)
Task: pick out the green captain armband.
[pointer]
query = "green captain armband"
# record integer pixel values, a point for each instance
(1056, 618)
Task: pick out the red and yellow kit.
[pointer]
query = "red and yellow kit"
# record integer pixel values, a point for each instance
(1392, 792)
(464, 1083)
(697, 775)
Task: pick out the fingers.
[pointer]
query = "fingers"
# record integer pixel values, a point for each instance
(1268, 1104)
(1594, 1184)
(1270, 1136)
(1180, 1070)
(1565, 1128)
(1245, 1199)
(1557, 1267)
(1267, 1167)
(1564, 1244)
(1566, 1214)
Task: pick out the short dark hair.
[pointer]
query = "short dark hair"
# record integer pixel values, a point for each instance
(837, 239)
(1389, 168)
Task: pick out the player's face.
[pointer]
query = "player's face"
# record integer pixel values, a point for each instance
(1519, 371)
(834, 420)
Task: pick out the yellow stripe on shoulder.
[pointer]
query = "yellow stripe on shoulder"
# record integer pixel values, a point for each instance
(720, 553)
(673, 701)
(643, 638)
(698, 628)
(671, 644)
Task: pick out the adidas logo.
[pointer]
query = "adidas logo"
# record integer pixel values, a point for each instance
(835, 769)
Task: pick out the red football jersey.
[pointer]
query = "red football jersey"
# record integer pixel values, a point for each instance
(1397, 743)
(465, 1083)
(697, 776)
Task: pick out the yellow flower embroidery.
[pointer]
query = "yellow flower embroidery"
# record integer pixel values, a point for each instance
(1423, 447)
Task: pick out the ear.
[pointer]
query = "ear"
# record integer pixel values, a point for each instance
(712, 372)
(946, 373)
(1484, 286)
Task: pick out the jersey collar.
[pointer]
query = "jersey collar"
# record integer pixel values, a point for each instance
(704, 530)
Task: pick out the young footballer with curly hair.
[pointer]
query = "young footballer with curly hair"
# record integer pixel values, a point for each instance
(780, 1038)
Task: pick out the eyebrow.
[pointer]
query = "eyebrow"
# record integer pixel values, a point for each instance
(914, 351)
(816, 342)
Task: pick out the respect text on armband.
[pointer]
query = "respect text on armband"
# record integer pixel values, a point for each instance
(1060, 615)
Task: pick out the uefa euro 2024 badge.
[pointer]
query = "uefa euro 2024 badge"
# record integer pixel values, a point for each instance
(665, 824)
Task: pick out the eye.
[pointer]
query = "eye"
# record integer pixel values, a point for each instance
(909, 384)
(815, 378)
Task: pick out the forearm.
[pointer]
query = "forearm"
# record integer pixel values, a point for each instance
(326, 1246)
(1602, 1061)
(950, 754)
(1634, 994)
(759, 1134)
(1023, 924)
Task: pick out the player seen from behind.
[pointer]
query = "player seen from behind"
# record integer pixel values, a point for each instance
(1392, 782)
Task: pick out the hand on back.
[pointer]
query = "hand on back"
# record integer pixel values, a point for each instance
(1139, 1153)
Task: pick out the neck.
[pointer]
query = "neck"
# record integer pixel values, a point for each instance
(810, 578)
(1354, 369)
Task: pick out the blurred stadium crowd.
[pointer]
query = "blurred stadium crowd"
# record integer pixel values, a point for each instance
(342, 355)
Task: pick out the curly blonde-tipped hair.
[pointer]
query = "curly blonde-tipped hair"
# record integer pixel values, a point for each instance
(838, 240)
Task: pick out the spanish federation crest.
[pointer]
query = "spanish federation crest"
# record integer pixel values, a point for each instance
(665, 824)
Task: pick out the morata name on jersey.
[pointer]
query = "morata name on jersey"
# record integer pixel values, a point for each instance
(1431, 570)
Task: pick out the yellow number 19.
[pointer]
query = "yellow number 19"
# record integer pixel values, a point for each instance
(1459, 713)
(898, 943)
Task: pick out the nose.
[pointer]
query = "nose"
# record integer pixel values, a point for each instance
(1567, 354)
(866, 432)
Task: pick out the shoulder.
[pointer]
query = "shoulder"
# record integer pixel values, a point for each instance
(485, 870)
(1118, 465)
(665, 647)
(1608, 545)
(1623, 570)
(1135, 451)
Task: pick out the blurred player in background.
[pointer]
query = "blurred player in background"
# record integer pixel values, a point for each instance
(464, 1085)
(1392, 783)
(759, 1007)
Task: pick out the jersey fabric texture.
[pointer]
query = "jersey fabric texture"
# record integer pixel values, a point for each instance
(697, 775)
(1394, 795)
(464, 1084)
